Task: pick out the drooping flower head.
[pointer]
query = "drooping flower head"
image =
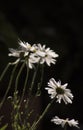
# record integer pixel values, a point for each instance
(19, 54)
(23, 54)
(58, 91)
(26, 47)
(34, 53)
(56, 120)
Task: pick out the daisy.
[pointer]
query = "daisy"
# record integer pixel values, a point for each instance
(46, 55)
(55, 89)
(27, 47)
(19, 54)
(63, 122)
(34, 54)
(32, 60)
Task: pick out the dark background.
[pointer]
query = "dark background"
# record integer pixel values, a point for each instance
(59, 25)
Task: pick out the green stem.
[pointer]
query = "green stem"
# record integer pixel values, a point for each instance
(9, 85)
(42, 74)
(6, 68)
(34, 126)
(17, 78)
(25, 84)
(65, 127)
(33, 79)
(41, 80)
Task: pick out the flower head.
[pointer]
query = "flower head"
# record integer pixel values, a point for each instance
(33, 53)
(32, 60)
(46, 55)
(21, 56)
(59, 91)
(63, 122)
(27, 47)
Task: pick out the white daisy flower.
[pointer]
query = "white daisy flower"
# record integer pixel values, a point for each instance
(46, 55)
(16, 53)
(32, 60)
(59, 91)
(27, 47)
(63, 122)
(21, 56)
(34, 53)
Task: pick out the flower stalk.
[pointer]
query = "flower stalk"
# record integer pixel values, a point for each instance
(35, 125)
(65, 127)
(9, 85)
(34, 76)
(5, 70)
(41, 81)
(18, 75)
(25, 85)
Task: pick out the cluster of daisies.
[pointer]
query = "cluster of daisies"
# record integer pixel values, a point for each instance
(32, 54)
(37, 53)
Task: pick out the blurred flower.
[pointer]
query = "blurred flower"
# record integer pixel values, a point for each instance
(34, 53)
(59, 91)
(63, 122)
(31, 60)
(46, 55)
(21, 56)
(16, 53)
(26, 47)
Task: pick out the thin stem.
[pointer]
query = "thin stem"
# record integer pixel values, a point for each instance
(33, 79)
(17, 78)
(25, 84)
(65, 127)
(41, 80)
(9, 85)
(15, 112)
(34, 126)
(3, 73)
(42, 74)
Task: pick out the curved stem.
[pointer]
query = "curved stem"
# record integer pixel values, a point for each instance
(9, 85)
(34, 126)
(25, 83)
(17, 78)
(33, 79)
(41, 80)
(65, 127)
(3, 73)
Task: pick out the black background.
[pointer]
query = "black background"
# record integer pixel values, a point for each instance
(59, 25)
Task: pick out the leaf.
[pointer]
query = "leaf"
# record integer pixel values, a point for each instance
(4, 127)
